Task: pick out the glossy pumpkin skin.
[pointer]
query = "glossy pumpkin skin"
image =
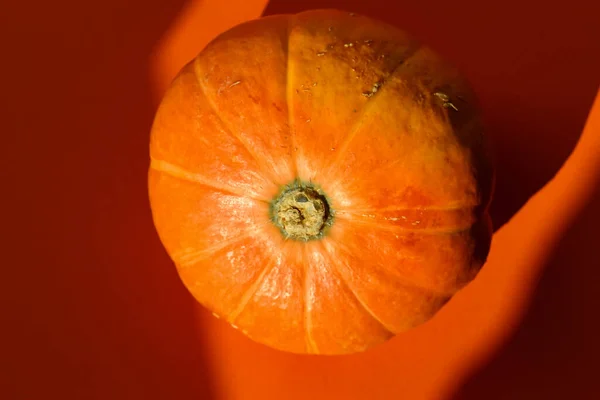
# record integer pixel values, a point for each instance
(353, 109)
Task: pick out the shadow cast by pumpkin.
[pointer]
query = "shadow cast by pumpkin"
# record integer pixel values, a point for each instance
(554, 352)
(95, 309)
(533, 117)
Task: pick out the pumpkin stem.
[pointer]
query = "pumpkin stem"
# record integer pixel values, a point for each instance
(301, 212)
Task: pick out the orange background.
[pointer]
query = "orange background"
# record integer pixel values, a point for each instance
(92, 308)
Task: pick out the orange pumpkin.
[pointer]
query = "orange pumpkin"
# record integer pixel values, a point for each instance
(321, 181)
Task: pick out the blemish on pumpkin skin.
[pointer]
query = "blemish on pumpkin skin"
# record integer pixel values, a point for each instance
(221, 89)
(254, 99)
(450, 105)
(376, 86)
(373, 90)
(441, 96)
(445, 100)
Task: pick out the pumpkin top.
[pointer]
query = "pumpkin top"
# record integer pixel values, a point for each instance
(321, 181)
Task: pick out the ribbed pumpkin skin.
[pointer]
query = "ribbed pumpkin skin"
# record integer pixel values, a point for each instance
(388, 132)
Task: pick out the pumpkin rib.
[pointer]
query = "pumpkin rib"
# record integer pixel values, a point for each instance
(229, 129)
(289, 93)
(196, 256)
(405, 281)
(371, 103)
(311, 345)
(409, 231)
(178, 172)
(457, 207)
(251, 291)
(374, 216)
(346, 250)
(388, 166)
(346, 283)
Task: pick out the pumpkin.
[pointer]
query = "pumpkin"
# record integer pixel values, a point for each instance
(321, 181)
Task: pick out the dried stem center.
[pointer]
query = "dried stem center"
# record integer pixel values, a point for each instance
(301, 213)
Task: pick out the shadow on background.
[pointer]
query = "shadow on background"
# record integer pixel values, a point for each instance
(92, 306)
(554, 352)
(536, 81)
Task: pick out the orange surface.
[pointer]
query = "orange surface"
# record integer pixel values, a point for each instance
(92, 308)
